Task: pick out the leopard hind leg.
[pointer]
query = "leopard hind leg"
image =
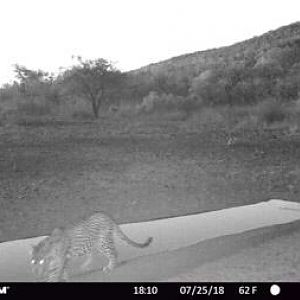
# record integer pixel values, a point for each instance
(107, 248)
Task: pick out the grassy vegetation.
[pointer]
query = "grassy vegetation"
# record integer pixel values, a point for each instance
(272, 111)
(137, 166)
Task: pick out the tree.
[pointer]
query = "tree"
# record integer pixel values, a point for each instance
(209, 87)
(31, 81)
(94, 80)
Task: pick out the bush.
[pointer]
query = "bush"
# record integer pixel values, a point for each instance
(27, 121)
(82, 115)
(156, 102)
(34, 109)
(190, 104)
(296, 107)
(168, 102)
(6, 94)
(52, 95)
(271, 111)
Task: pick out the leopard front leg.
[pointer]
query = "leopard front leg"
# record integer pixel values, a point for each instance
(64, 274)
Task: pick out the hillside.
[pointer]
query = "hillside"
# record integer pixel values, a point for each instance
(273, 57)
(254, 48)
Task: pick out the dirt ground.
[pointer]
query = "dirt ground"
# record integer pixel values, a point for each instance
(275, 260)
(58, 172)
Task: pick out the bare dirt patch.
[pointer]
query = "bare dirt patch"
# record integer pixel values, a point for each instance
(134, 170)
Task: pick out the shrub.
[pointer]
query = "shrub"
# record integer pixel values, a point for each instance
(190, 104)
(52, 95)
(126, 109)
(168, 102)
(82, 115)
(271, 111)
(296, 108)
(147, 104)
(6, 94)
(157, 102)
(34, 109)
(27, 121)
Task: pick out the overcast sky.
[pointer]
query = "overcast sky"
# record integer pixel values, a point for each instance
(44, 34)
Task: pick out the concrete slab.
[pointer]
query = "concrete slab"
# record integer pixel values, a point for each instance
(169, 234)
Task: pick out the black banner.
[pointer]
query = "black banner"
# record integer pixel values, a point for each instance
(245, 290)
